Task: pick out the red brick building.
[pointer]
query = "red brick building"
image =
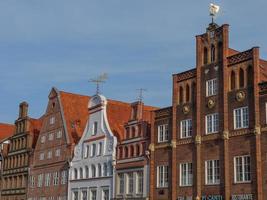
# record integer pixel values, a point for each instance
(18, 149)
(132, 164)
(211, 144)
(62, 127)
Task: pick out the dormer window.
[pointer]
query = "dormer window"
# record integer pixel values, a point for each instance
(95, 128)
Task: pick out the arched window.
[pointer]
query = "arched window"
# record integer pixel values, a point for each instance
(86, 172)
(181, 95)
(81, 173)
(110, 168)
(99, 170)
(137, 150)
(241, 78)
(249, 75)
(132, 151)
(120, 152)
(126, 152)
(75, 174)
(193, 92)
(133, 131)
(187, 93)
(232, 80)
(93, 171)
(105, 169)
(212, 53)
(220, 51)
(205, 56)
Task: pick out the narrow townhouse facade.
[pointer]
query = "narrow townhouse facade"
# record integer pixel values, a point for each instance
(132, 162)
(93, 165)
(16, 160)
(6, 131)
(211, 144)
(62, 126)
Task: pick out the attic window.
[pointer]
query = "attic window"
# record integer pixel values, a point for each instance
(53, 105)
(52, 120)
(94, 128)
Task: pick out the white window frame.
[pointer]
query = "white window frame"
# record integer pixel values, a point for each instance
(58, 152)
(130, 183)
(41, 156)
(55, 178)
(214, 123)
(162, 176)
(214, 166)
(186, 169)
(49, 154)
(93, 150)
(121, 183)
(244, 117)
(139, 182)
(99, 149)
(186, 128)
(64, 177)
(211, 87)
(91, 193)
(52, 120)
(243, 169)
(43, 139)
(59, 134)
(51, 136)
(163, 133)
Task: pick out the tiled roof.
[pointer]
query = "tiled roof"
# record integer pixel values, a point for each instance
(35, 127)
(6, 130)
(75, 108)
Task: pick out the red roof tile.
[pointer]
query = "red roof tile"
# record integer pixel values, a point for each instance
(6, 130)
(75, 108)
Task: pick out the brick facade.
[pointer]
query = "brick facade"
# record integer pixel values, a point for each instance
(240, 83)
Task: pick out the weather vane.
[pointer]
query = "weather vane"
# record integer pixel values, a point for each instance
(98, 80)
(141, 94)
(214, 9)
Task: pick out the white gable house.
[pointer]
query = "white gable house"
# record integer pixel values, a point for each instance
(91, 170)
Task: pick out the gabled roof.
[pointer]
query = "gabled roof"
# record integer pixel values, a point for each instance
(76, 114)
(6, 130)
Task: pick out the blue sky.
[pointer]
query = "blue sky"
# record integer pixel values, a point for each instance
(139, 43)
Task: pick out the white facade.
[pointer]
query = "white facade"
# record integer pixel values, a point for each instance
(91, 170)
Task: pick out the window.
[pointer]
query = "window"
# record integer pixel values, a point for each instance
(55, 178)
(86, 151)
(32, 181)
(59, 134)
(93, 150)
(86, 172)
(241, 78)
(75, 174)
(232, 80)
(40, 180)
(163, 133)
(93, 171)
(242, 169)
(41, 157)
(47, 179)
(84, 195)
(99, 170)
(205, 55)
(130, 183)
(212, 172)
(186, 174)
(212, 123)
(57, 153)
(99, 149)
(49, 155)
(52, 120)
(94, 128)
(212, 53)
(64, 177)
(50, 136)
(186, 128)
(105, 170)
(81, 173)
(105, 194)
(43, 139)
(140, 182)
(162, 176)
(211, 87)
(75, 195)
(93, 195)
(121, 183)
(241, 118)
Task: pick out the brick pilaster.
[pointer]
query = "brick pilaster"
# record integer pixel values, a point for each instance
(152, 170)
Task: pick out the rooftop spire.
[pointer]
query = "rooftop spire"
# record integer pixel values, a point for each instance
(214, 9)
